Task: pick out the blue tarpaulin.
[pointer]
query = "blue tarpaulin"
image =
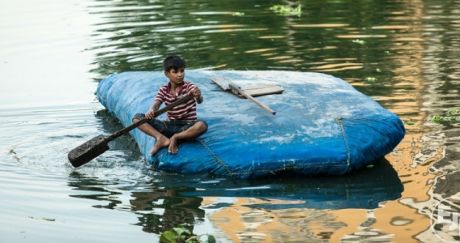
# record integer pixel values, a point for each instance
(322, 126)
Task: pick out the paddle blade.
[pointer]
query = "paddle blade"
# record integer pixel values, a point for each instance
(88, 151)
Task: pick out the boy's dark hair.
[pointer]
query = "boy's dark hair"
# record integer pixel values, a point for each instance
(173, 62)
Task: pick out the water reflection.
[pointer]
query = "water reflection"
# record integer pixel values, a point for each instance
(162, 209)
(158, 209)
(364, 189)
(168, 201)
(93, 188)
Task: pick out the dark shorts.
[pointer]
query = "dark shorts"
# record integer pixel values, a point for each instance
(171, 127)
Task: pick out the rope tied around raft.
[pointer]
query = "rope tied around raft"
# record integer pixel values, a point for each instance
(339, 121)
(216, 158)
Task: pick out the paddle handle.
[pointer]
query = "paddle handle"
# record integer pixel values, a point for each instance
(144, 120)
(248, 96)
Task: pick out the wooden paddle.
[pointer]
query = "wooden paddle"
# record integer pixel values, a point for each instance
(99, 144)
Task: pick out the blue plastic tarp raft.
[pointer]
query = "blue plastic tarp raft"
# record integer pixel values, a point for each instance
(322, 126)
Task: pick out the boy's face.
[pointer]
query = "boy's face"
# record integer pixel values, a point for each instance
(176, 76)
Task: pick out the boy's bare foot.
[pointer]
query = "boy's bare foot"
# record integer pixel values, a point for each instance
(161, 142)
(173, 145)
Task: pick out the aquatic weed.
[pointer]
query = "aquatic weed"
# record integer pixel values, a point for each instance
(358, 41)
(452, 115)
(409, 123)
(182, 234)
(287, 10)
(370, 79)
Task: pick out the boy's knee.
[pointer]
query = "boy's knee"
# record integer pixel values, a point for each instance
(137, 117)
(202, 125)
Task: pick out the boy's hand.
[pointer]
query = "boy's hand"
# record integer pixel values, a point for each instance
(150, 114)
(196, 93)
(153, 109)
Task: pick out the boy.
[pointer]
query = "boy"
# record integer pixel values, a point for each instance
(182, 122)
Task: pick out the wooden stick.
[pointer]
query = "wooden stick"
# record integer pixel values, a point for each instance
(238, 90)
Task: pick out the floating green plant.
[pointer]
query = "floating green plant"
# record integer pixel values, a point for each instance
(181, 234)
(287, 10)
(358, 41)
(450, 116)
(238, 14)
(409, 123)
(370, 79)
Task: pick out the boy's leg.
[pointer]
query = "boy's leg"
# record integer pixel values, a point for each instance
(161, 140)
(192, 132)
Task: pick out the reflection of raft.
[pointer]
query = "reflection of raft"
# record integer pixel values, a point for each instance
(363, 189)
(323, 125)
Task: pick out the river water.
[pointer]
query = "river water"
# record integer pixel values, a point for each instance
(404, 54)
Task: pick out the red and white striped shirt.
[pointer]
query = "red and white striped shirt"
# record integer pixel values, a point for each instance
(186, 111)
